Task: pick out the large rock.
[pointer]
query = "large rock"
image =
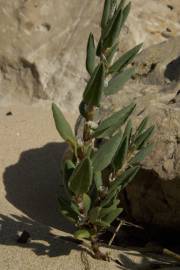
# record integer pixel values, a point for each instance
(154, 196)
(43, 44)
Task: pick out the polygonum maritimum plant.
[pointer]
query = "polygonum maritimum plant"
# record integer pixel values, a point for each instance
(107, 156)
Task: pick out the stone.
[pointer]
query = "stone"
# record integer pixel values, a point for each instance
(153, 197)
(43, 44)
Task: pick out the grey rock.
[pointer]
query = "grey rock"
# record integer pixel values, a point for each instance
(154, 196)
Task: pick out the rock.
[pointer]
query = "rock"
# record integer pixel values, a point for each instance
(43, 44)
(153, 197)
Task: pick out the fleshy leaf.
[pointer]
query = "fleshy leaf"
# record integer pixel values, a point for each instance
(122, 151)
(118, 81)
(103, 157)
(113, 215)
(94, 89)
(86, 202)
(66, 210)
(106, 13)
(141, 127)
(114, 31)
(106, 211)
(94, 214)
(143, 138)
(81, 179)
(141, 154)
(116, 120)
(126, 12)
(125, 59)
(91, 54)
(63, 126)
(98, 180)
(124, 179)
(82, 234)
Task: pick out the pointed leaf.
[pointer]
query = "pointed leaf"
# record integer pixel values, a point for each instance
(98, 180)
(106, 13)
(110, 52)
(102, 223)
(103, 157)
(116, 120)
(117, 82)
(122, 151)
(125, 59)
(143, 137)
(94, 214)
(111, 196)
(86, 202)
(124, 179)
(66, 210)
(82, 234)
(126, 12)
(106, 211)
(94, 89)
(114, 30)
(140, 156)
(141, 127)
(81, 179)
(63, 126)
(113, 215)
(91, 54)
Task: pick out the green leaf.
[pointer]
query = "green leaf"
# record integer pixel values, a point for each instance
(143, 138)
(106, 211)
(110, 52)
(86, 202)
(116, 120)
(102, 223)
(94, 214)
(141, 154)
(81, 179)
(111, 196)
(91, 54)
(126, 12)
(94, 89)
(113, 215)
(114, 30)
(103, 157)
(122, 151)
(82, 234)
(63, 126)
(68, 168)
(141, 127)
(125, 59)
(66, 210)
(98, 180)
(106, 13)
(124, 179)
(117, 82)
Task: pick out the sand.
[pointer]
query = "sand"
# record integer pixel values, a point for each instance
(30, 155)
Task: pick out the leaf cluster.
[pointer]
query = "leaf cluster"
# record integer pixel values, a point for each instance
(108, 157)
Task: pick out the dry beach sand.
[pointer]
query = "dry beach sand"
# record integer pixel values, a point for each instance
(42, 57)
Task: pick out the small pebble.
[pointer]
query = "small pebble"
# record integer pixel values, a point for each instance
(9, 113)
(23, 238)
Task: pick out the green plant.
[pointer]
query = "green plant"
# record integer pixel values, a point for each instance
(107, 156)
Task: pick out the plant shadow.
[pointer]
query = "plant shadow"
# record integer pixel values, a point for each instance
(32, 185)
(42, 240)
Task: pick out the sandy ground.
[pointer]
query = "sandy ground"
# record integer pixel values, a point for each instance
(30, 155)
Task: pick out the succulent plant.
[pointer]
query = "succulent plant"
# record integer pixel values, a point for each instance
(107, 156)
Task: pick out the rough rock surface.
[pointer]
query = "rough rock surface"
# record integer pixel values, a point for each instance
(154, 196)
(43, 43)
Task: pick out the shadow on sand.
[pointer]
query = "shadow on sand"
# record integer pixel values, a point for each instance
(32, 185)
